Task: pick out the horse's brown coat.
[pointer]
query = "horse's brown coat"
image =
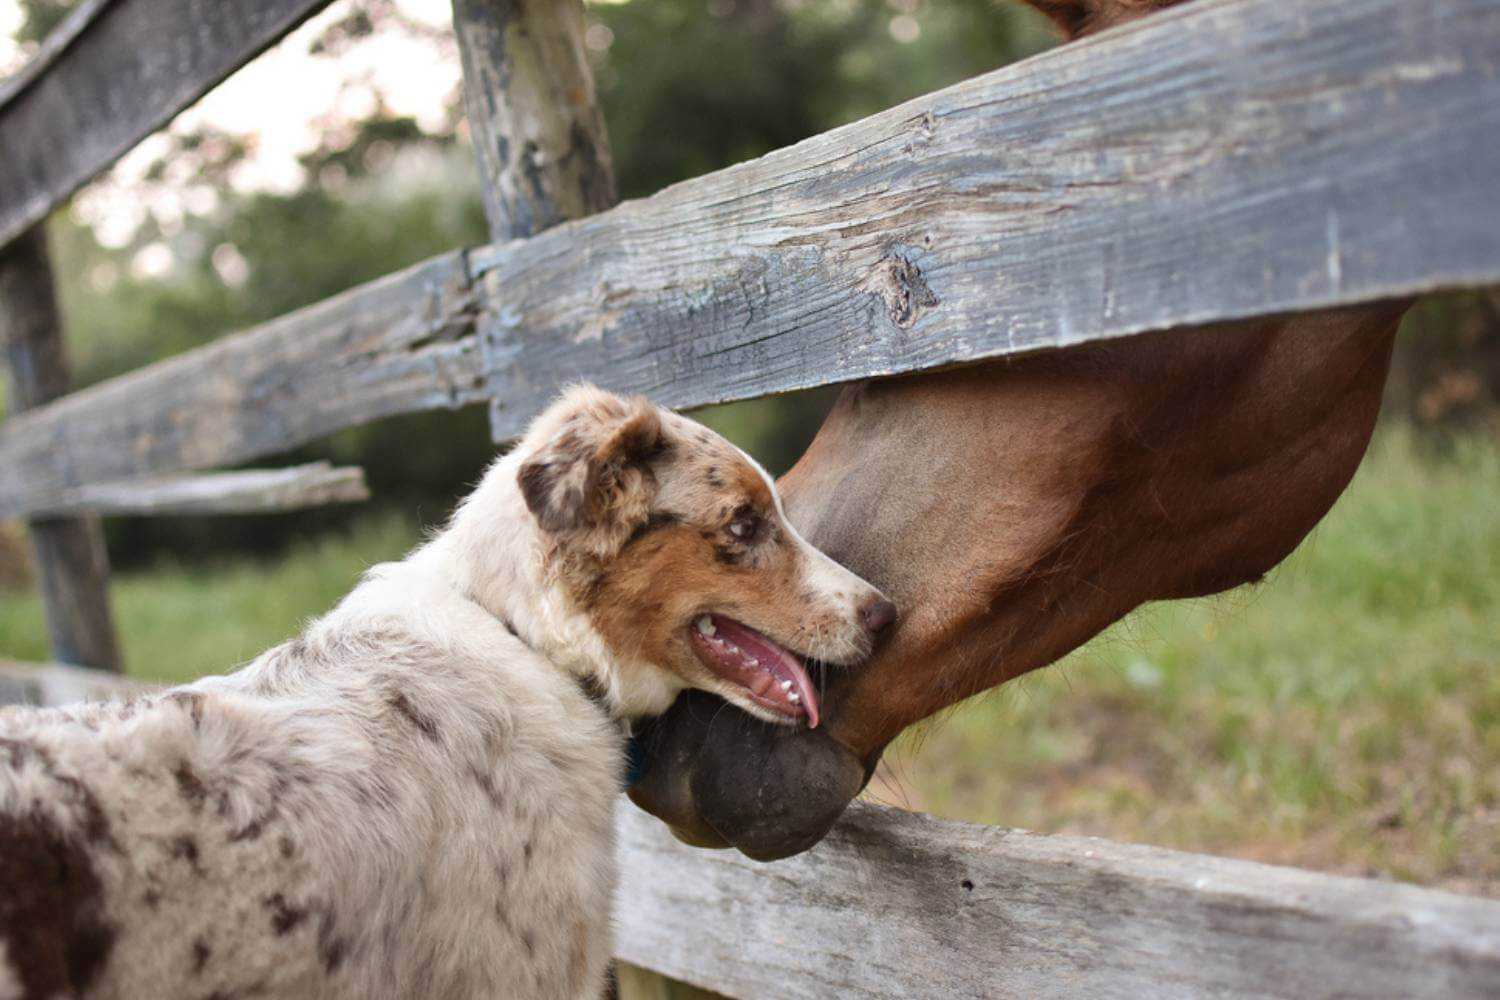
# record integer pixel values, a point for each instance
(1014, 510)
(1075, 487)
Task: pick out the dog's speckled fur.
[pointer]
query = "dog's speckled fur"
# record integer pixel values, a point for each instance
(414, 798)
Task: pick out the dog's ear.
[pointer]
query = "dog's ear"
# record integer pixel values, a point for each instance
(593, 475)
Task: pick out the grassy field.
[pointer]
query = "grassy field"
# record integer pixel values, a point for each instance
(1344, 715)
(177, 623)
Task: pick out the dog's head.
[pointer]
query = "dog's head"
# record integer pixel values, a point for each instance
(672, 543)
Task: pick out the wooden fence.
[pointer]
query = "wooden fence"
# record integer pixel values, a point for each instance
(1222, 160)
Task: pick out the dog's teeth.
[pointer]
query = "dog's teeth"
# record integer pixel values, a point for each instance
(795, 699)
(786, 685)
(706, 625)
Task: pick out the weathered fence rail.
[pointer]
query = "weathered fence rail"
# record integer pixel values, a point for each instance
(393, 346)
(111, 74)
(899, 905)
(1223, 160)
(247, 491)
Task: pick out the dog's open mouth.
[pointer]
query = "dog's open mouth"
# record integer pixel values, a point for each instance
(772, 675)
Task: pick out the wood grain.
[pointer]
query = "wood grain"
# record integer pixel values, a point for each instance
(1222, 160)
(247, 491)
(533, 117)
(397, 345)
(538, 134)
(898, 905)
(81, 16)
(72, 568)
(114, 72)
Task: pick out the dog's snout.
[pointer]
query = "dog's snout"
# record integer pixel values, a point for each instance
(877, 613)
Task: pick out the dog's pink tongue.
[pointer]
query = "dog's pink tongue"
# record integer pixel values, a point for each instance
(765, 668)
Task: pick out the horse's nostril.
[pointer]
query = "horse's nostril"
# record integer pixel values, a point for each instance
(877, 613)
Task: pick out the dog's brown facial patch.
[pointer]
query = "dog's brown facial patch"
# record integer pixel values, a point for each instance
(653, 526)
(715, 543)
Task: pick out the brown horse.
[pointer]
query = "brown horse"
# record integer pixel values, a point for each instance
(1014, 510)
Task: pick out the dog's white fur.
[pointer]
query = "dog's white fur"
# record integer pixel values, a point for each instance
(412, 799)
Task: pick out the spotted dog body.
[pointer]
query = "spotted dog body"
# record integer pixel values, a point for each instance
(415, 797)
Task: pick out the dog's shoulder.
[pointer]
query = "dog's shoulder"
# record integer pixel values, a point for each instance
(116, 821)
(266, 823)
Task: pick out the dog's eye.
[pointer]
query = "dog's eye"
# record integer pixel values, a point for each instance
(745, 527)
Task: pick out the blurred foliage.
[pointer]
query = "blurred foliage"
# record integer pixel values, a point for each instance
(163, 612)
(689, 87)
(39, 17)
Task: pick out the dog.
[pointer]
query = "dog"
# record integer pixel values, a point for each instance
(414, 798)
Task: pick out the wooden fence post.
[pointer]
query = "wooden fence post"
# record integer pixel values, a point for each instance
(72, 568)
(543, 159)
(537, 131)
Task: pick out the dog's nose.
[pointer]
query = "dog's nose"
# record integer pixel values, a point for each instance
(877, 613)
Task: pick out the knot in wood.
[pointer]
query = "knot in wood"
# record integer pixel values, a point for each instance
(901, 286)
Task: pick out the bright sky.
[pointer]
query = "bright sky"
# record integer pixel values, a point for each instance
(10, 23)
(281, 103)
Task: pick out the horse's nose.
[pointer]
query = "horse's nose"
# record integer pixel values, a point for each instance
(877, 613)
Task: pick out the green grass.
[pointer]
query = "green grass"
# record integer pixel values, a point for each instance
(1343, 715)
(177, 623)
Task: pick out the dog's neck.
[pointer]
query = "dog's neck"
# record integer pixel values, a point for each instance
(493, 553)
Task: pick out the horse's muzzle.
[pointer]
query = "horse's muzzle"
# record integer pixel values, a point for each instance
(720, 778)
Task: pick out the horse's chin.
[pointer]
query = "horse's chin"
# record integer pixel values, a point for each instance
(720, 778)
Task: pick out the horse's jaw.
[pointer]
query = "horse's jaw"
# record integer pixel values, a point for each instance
(720, 778)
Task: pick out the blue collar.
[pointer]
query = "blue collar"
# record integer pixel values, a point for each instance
(635, 760)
